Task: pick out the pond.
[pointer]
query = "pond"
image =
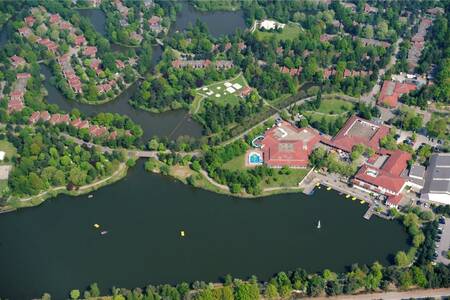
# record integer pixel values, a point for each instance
(218, 22)
(55, 248)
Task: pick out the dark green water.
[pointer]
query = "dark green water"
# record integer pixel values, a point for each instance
(55, 248)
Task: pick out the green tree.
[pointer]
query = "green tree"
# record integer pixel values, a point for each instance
(74, 294)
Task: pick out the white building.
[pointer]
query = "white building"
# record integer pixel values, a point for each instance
(270, 25)
(437, 179)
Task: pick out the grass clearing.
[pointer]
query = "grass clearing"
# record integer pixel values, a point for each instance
(335, 106)
(284, 180)
(222, 92)
(9, 149)
(289, 32)
(237, 163)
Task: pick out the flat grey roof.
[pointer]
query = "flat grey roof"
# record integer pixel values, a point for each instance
(442, 159)
(437, 179)
(417, 171)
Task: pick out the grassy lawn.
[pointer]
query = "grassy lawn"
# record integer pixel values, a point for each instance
(8, 148)
(335, 106)
(3, 186)
(284, 180)
(218, 93)
(237, 163)
(290, 32)
(330, 109)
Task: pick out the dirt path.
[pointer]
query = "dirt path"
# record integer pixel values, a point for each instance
(213, 182)
(391, 295)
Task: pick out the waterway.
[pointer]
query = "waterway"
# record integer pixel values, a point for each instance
(219, 23)
(171, 124)
(55, 248)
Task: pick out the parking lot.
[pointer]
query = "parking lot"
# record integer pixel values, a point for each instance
(444, 244)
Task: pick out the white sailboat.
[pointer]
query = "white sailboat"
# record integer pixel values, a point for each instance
(318, 225)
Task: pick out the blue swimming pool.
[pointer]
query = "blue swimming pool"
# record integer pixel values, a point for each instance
(255, 158)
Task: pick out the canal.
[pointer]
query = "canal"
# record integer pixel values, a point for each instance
(55, 248)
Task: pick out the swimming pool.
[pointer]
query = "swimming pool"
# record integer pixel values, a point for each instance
(255, 158)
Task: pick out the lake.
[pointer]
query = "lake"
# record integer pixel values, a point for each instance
(55, 248)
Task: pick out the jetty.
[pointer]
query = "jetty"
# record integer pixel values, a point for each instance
(369, 213)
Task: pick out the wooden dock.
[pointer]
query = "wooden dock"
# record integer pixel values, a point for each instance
(369, 213)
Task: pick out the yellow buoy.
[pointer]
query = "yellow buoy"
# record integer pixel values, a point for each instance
(354, 198)
(182, 233)
(347, 196)
(96, 226)
(328, 188)
(362, 202)
(317, 184)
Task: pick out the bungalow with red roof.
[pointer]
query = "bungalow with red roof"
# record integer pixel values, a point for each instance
(54, 18)
(90, 51)
(287, 145)
(80, 40)
(358, 131)
(196, 64)
(392, 91)
(246, 91)
(97, 131)
(51, 46)
(383, 175)
(34, 117)
(79, 123)
(242, 46)
(30, 21)
(95, 65)
(120, 64)
(23, 75)
(17, 61)
(155, 23)
(25, 32)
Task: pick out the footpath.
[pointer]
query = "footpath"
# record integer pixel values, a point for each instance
(431, 293)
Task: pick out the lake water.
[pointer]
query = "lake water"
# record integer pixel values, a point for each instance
(218, 22)
(55, 248)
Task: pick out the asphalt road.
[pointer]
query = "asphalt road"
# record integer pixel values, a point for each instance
(444, 244)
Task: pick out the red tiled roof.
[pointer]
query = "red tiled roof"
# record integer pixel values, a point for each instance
(153, 21)
(45, 116)
(17, 60)
(394, 200)
(23, 75)
(120, 64)
(282, 149)
(30, 20)
(397, 161)
(345, 141)
(380, 179)
(90, 51)
(54, 18)
(79, 40)
(391, 92)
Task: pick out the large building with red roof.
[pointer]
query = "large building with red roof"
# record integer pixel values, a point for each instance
(358, 131)
(382, 175)
(392, 91)
(287, 145)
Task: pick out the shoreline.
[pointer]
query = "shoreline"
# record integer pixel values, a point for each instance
(36, 200)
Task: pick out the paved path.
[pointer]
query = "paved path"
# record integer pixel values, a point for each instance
(444, 244)
(138, 153)
(391, 295)
(84, 187)
(369, 97)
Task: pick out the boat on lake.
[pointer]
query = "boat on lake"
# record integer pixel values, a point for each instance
(318, 225)
(104, 232)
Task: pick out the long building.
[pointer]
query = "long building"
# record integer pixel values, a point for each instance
(437, 179)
